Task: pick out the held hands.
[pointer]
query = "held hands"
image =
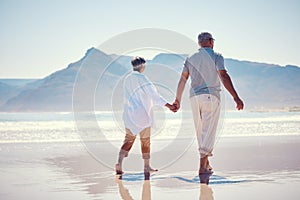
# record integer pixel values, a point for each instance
(174, 107)
(176, 104)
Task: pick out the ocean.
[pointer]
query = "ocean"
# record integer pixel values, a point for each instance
(62, 127)
(50, 156)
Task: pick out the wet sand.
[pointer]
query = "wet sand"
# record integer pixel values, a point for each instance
(244, 168)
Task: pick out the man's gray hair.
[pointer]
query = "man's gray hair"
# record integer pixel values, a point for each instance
(204, 36)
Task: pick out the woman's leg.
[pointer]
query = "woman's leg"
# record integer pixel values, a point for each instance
(127, 144)
(145, 146)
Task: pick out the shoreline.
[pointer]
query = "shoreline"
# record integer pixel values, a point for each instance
(257, 136)
(275, 110)
(243, 168)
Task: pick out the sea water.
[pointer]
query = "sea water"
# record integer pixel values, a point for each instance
(42, 156)
(63, 127)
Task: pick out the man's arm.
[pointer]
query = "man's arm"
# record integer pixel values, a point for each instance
(226, 80)
(180, 88)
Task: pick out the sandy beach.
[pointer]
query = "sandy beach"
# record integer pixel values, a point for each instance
(244, 168)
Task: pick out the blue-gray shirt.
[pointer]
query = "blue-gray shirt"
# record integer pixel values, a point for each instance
(202, 68)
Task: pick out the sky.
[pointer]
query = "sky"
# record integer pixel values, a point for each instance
(39, 37)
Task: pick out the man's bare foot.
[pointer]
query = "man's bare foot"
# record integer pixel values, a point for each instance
(208, 166)
(205, 171)
(205, 168)
(119, 170)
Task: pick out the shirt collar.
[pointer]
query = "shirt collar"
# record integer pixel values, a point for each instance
(206, 48)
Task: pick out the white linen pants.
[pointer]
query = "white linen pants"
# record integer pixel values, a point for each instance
(206, 112)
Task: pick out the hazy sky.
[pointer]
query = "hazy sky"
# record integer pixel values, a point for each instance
(39, 37)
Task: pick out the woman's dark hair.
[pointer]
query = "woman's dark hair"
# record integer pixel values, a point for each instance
(137, 61)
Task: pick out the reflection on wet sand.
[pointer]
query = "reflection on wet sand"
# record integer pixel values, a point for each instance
(124, 192)
(206, 192)
(85, 172)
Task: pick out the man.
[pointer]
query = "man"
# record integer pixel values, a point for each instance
(205, 67)
(140, 95)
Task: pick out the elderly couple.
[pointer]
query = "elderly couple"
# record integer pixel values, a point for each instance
(205, 67)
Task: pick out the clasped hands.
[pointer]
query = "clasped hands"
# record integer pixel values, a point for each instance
(175, 106)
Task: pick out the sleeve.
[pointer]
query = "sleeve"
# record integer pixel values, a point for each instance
(186, 66)
(154, 95)
(220, 62)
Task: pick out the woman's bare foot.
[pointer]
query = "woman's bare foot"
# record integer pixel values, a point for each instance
(150, 169)
(119, 170)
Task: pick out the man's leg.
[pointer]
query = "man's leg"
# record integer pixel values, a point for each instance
(127, 144)
(210, 111)
(197, 117)
(206, 111)
(145, 146)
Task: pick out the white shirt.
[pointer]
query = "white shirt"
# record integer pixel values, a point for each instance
(139, 96)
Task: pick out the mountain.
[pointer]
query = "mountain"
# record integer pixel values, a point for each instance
(95, 83)
(265, 85)
(55, 91)
(12, 87)
(17, 82)
(6, 91)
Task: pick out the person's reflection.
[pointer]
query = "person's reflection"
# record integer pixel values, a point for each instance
(125, 195)
(206, 192)
(122, 190)
(146, 194)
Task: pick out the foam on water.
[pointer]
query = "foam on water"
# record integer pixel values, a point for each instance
(61, 127)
